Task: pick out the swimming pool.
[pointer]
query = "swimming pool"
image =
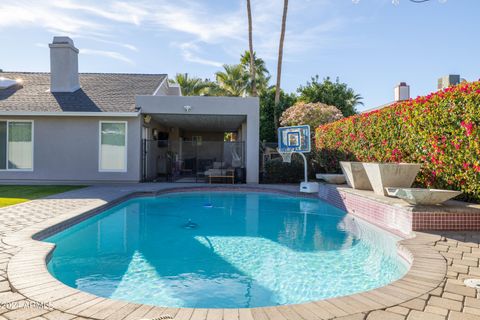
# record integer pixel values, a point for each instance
(224, 250)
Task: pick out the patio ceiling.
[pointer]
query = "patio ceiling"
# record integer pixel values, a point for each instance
(199, 122)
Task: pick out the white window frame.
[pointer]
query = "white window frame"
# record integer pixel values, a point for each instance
(100, 146)
(6, 150)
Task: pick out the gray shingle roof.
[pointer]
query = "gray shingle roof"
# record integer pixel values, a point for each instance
(99, 92)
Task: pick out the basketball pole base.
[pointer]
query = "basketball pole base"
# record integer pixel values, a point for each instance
(309, 187)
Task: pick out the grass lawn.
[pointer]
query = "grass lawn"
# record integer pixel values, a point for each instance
(17, 194)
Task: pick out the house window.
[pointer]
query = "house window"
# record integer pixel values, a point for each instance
(113, 146)
(16, 145)
(197, 140)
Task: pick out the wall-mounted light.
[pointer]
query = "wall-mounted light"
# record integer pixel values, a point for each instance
(187, 108)
(147, 118)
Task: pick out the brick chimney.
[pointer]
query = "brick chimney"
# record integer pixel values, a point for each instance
(63, 65)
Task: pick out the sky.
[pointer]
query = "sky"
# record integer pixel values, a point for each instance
(371, 45)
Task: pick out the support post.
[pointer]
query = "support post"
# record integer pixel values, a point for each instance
(305, 165)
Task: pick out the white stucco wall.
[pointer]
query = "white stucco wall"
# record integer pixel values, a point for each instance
(66, 150)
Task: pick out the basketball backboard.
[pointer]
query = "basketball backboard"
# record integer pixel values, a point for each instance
(294, 139)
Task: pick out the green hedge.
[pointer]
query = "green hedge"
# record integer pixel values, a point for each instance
(440, 130)
(277, 171)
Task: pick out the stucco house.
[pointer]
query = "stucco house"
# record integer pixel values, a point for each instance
(71, 127)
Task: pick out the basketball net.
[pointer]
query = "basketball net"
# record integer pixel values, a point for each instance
(286, 155)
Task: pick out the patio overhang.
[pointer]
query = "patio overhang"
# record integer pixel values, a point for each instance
(149, 104)
(201, 122)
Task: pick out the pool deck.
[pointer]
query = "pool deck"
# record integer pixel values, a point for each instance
(432, 289)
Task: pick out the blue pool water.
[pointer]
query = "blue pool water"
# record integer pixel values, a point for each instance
(224, 249)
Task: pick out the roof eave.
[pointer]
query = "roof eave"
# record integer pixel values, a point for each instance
(68, 114)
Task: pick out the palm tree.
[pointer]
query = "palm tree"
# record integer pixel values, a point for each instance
(261, 77)
(232, 81)
(213, 89)
(250, 45)
(355, 99)
(190, 86)
(280, 58)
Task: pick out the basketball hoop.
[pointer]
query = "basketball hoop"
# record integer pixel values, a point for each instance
(286, 155)
(296, 139)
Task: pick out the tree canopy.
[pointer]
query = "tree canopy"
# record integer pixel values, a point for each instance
(191, 86)
(262, 76)
(232, 81)
(314, 114)
(336, 93)
(267, 108)
(317, 96)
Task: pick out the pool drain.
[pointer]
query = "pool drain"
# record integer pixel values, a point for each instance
(190, 225)
(472, 283)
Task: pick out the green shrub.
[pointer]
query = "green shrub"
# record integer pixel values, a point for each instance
(277, 171)
(440, 130)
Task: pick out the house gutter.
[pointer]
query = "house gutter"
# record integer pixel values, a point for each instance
(69, 114)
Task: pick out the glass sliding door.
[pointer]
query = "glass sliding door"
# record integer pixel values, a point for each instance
(113, 147)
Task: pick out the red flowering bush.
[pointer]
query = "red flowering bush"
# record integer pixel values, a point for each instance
(441, 131)
(313, 114)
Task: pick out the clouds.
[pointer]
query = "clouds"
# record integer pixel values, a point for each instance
(115, 11)
(205, 24)
(107, 54)
(199, 28)
(192, 53)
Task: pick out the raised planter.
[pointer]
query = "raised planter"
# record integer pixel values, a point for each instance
(331, 178)
(383, 175)
(423, 196)
(355, 175)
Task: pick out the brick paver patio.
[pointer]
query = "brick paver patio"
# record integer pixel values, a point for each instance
(24, 294)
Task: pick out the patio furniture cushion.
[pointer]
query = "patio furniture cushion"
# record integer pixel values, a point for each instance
(219, 172)
(218, 164)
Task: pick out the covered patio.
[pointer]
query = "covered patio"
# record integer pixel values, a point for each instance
(200, 139)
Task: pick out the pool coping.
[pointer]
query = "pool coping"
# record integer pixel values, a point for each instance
(28, 274)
